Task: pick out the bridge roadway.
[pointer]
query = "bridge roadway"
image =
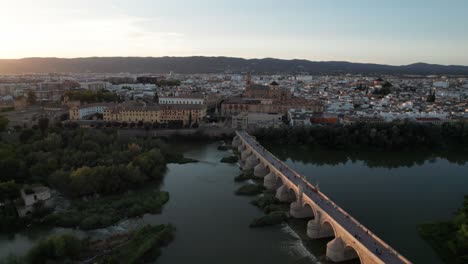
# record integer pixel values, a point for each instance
(367, 238)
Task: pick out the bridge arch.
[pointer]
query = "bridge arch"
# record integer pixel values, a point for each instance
(328, 227)
(293, 190)
(311, 207)
(351, 253)
(279, 181)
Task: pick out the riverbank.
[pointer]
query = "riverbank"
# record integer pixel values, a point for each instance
(449, 238)
(132, 247)
(106, 211)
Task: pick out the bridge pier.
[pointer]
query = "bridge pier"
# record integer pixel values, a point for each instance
(284, 195)
(337, 251)
(236, 142)
(251, 162)
(260, 171)
(241, 164)
(245, 154)
(316, 230)
(270, 181)
(241, 147)
(297, 210)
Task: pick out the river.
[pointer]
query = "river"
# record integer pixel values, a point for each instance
(212, 223)
(390, 193)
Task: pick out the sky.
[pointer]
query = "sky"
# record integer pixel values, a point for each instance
(395, 32)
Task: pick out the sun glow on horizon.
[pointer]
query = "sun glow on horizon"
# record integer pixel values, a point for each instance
(316, 30)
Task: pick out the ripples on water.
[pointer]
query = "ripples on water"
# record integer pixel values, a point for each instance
(296, 248)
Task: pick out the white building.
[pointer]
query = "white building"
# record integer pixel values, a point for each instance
(94, 86)
(89, 111)
(253, 120)
(299, 117)
(182, 100)
(82, 112)
(441, 84)
(31, 197)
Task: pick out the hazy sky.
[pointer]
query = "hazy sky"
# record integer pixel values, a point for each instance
(380, 31)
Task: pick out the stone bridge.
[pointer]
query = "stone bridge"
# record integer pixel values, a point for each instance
(351, 240)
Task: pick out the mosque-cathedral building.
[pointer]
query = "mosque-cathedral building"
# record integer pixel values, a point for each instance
(271, 98)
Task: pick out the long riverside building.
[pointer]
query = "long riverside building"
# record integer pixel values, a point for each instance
(351, 239)
(136, 112)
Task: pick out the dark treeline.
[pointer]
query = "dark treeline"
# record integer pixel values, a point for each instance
(157, 81)
(386, 136)
(87, 96)
(121, 248)
(371, 158)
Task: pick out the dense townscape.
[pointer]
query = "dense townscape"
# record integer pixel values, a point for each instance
(83, 125)
(232, 100)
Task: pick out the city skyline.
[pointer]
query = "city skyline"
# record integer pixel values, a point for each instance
(384, 32)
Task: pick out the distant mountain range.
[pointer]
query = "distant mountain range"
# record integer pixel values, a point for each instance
(189, 65)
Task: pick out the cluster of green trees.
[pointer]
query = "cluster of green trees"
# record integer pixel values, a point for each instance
(82, 162)
(9, 191)
(386, 89)
(3, 123)
(31, 97)
(171, 124)
(163, 83)
(143, 246)
(87, 96)
(450, 238)
(7, 109)
(157, 81)
(109, 210)
(55, 249)
(387, 136)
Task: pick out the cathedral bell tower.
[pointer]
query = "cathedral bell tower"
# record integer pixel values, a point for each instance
(248, 80)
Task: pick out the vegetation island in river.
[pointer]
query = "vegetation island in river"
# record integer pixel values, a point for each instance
(449, 238)
(86, 179)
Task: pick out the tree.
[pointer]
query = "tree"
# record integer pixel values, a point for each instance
(55, 249)
(32, 98)
(12, 169)
(3, 123)
(43, 123)
(384, 90)
(431, 97)
(387, 85)
(190, 119)
(9, 191)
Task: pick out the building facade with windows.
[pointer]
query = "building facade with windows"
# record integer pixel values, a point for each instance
(247, 120)
(133, 112)
(197, 100)
(82, 112)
